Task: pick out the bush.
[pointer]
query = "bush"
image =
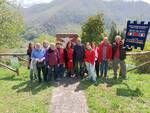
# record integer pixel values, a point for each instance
(139, 59)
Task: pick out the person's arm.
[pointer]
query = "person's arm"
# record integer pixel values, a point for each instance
(110, 52)
(83, 52)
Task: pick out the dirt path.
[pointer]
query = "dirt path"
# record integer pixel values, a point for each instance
(65, 98)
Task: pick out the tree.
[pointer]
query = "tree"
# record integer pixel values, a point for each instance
(47, 37)
(11, 25)
(93, 28)
(113, 32)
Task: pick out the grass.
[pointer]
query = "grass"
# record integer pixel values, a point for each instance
(17, 95)
(110, 96)
(119, 96)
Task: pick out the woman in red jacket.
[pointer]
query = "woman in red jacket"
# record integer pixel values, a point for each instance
(69, 59)
(90, 62)
(61, 59)
(104, 55)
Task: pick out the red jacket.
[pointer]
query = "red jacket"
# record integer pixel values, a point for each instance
(90, 56)
(61, 57)
(52, 57)
(108, 53)
(70, 59)
(70, 54)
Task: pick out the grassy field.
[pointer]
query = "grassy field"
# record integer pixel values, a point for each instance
(110, 96)
(18, 96)
(119, 96)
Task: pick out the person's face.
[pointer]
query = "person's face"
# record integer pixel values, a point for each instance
(58, 45)
(118, 40)
(37, 47)
(69, 45)
(93, 45)
(105, 41)
(88, 46)
(31, 45)
(78, 42)
(45, 45)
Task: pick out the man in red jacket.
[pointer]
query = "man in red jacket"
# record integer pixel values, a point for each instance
(104, 55)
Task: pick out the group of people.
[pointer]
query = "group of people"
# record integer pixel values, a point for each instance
(76, 60)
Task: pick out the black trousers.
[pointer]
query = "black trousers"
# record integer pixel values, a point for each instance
(97, 67)
(43, 69)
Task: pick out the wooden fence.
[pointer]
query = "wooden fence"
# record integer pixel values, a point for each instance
(21, 55)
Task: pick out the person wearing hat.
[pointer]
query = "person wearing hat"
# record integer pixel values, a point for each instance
(79, 55)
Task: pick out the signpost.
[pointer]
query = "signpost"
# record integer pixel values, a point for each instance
(136, 34)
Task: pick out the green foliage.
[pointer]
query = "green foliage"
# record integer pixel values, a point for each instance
(11, 25)
(139, 59)
(114, 32)
(93, 29)
(119, 96)
(17, 95)
(43, 37)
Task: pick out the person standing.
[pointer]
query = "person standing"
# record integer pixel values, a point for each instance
(46, 47)
(69, 59)
(79, 55)
(90, 62)
(96, 58)
(119, 56)
(52, 62)
(29, 52)
(61, 59)
(104, 55)
(39, 55)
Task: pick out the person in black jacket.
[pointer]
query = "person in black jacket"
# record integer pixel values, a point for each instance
(119, 56)
(29, 51)
(79, 55)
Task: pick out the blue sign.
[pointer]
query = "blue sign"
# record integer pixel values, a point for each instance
(136, 34)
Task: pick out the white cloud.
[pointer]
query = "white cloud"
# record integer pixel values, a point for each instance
(28, 3)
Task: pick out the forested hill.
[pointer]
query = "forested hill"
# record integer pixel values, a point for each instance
(69, 15)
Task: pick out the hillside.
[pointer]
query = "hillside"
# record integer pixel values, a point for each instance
(68, 16)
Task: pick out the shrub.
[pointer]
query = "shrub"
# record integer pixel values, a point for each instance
(139, 59)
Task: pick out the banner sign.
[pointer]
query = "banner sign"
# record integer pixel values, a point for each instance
(136, 34)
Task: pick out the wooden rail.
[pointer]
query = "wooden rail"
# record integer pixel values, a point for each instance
(20, 55)
(13, 54)
(138, 53)
(10, 68)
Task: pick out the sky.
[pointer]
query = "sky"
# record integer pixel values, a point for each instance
(28, 3)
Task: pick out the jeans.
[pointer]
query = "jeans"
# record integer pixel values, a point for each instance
(104, 68)
(91, 71)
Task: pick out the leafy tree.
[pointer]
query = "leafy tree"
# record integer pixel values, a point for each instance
(93, 29)
(11, 25)
(113, 32)
(43, 37)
